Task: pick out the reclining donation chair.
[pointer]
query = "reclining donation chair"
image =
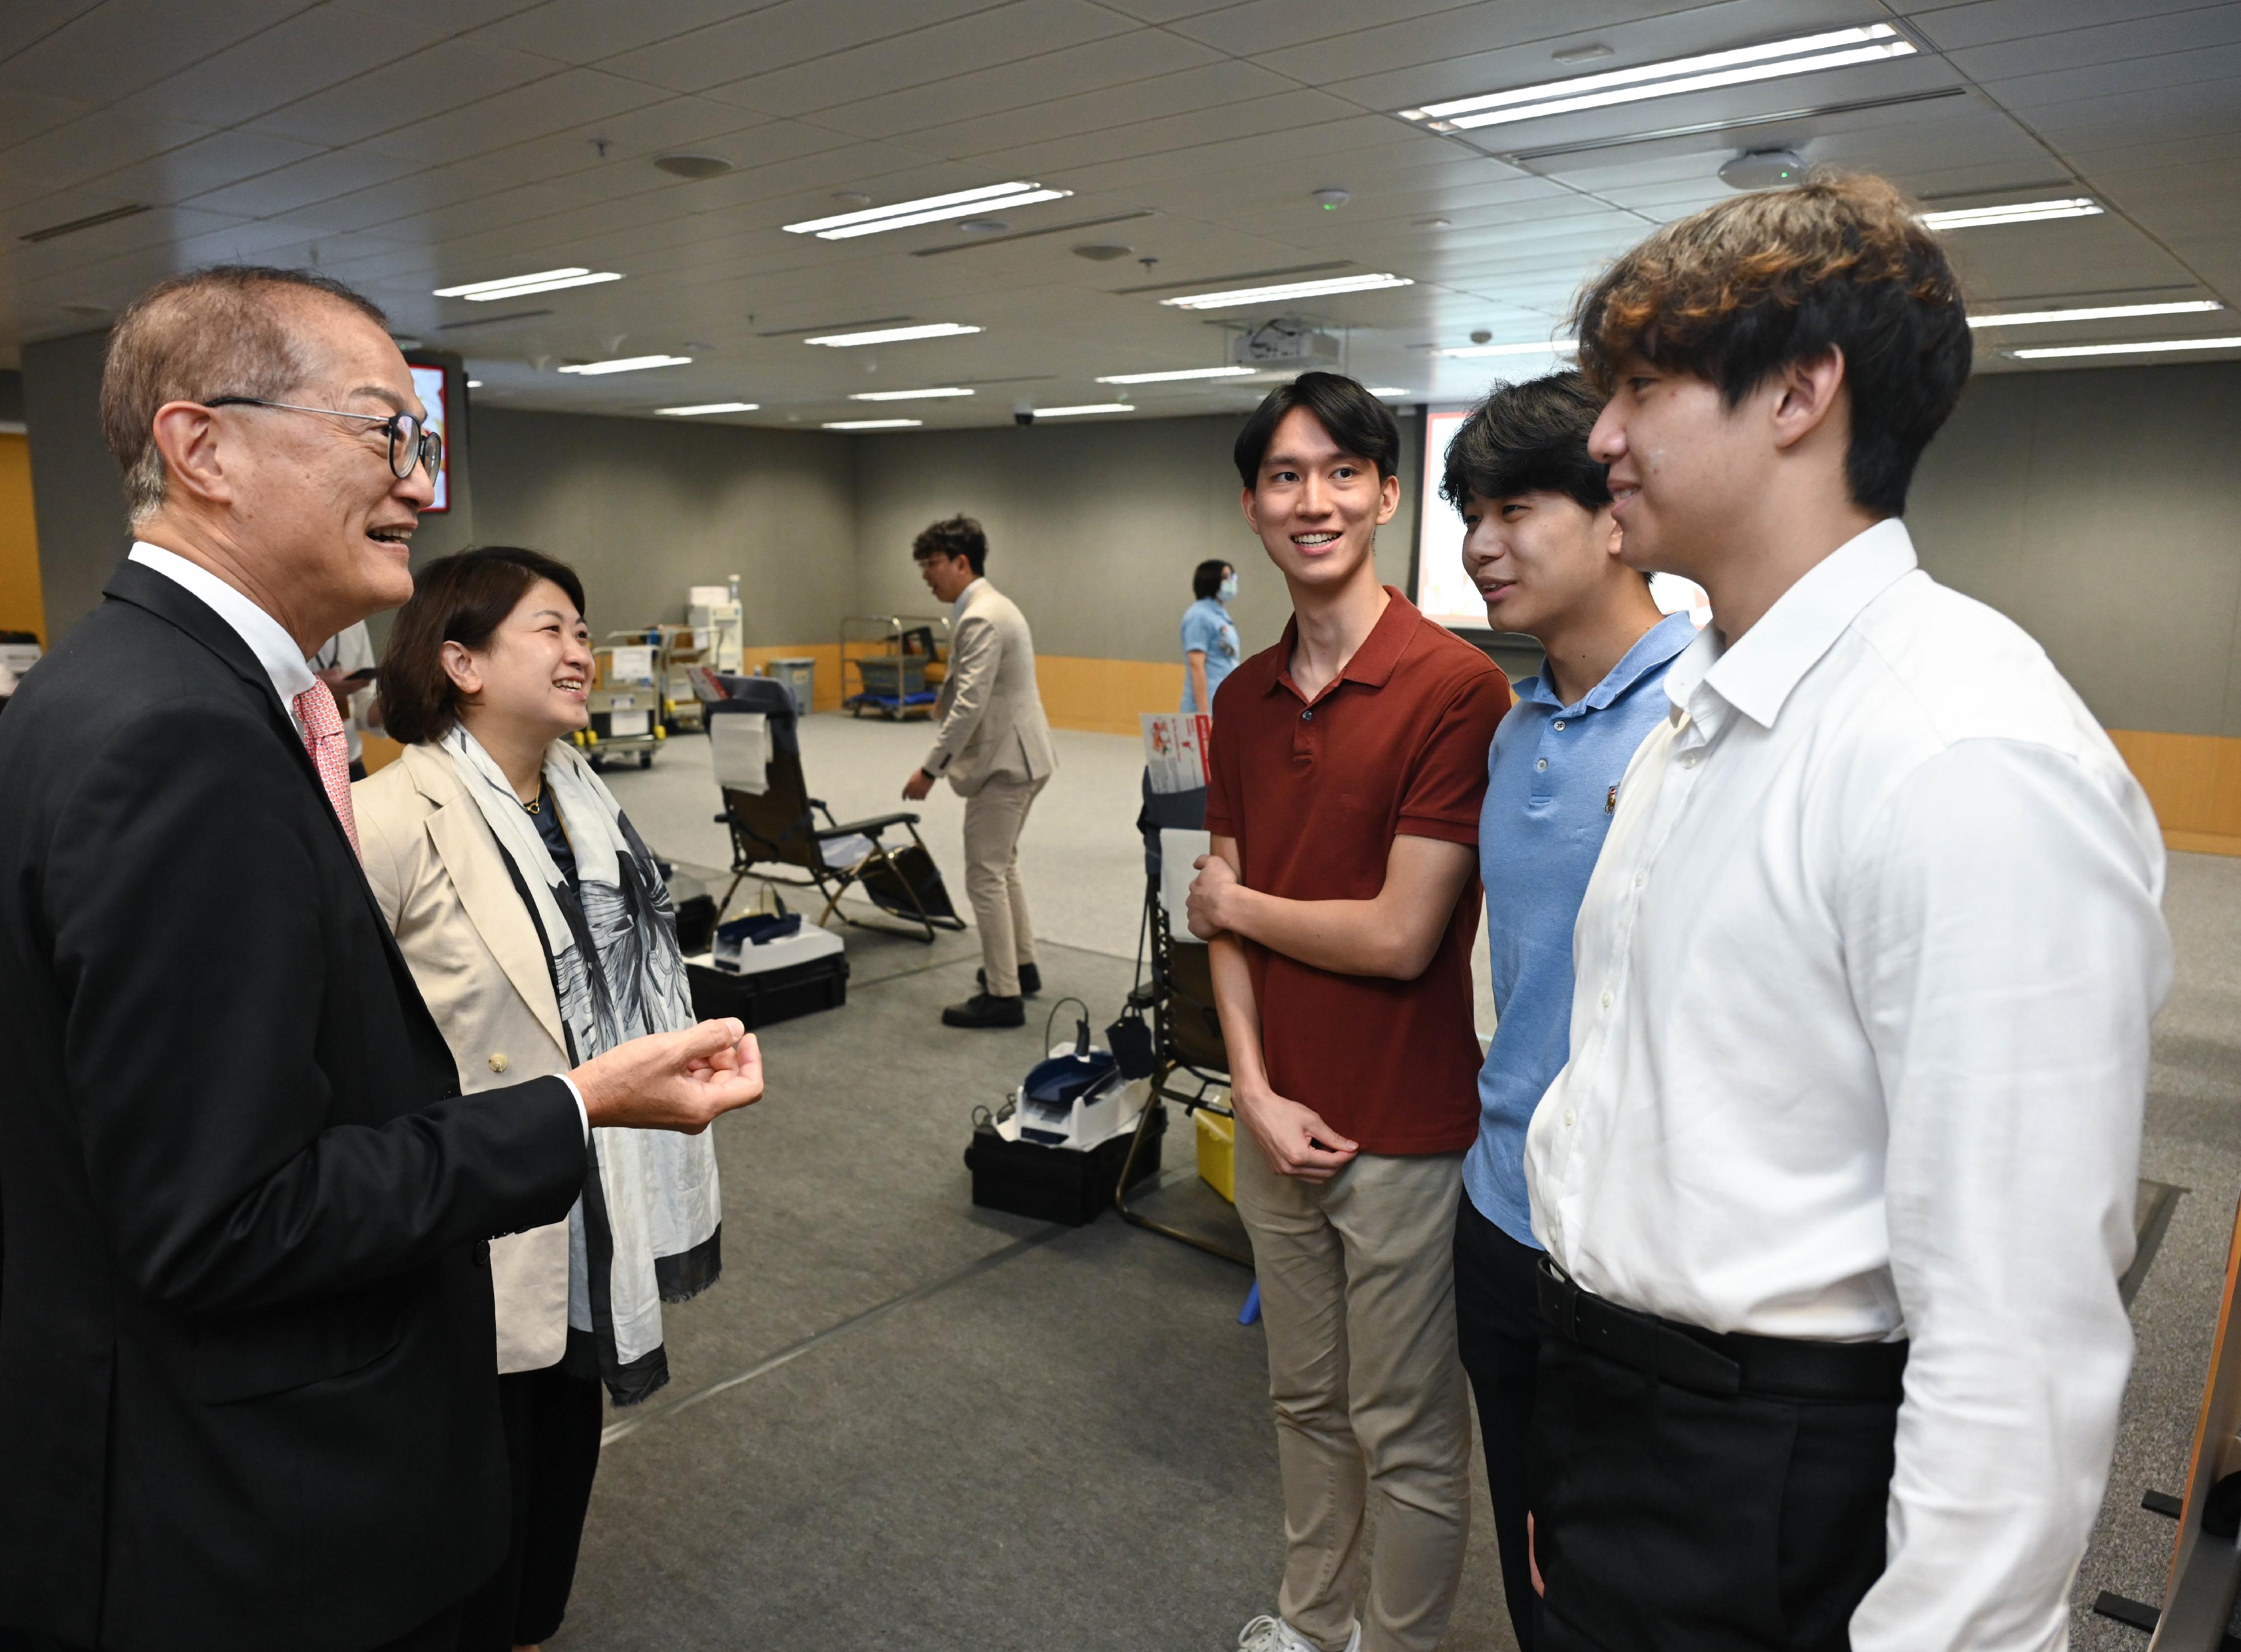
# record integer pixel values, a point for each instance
(774, 821)
(1190, 1061)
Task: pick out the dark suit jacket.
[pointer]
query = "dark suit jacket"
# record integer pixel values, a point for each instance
(247, 1362)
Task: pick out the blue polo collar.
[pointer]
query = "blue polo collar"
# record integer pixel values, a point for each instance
(1661, 642)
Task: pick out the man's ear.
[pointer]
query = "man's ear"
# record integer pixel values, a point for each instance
(1807, 393)
(1614, 532)
(1388, 499)
(186, 434)
(1252, 513)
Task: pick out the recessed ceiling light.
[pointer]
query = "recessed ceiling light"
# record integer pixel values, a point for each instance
(891, 334)
(2097, 313)
(984, 226)
(1585, 53)
(522, 285)
(1833, 49)
(1238, 296)
(931, 209)
(474, 384)
(1179, 372)
(872, 423)
(1085, 407)
(626, 364)
(1974, 217)
(1553, 347)
(698, 408)
(1391, 389)
(2154, 347)
(694, 167)
(907, 395)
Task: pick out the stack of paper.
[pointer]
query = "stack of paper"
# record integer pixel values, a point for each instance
(1175, 746)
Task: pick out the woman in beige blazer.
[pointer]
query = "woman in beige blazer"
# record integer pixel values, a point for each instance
(540, 932)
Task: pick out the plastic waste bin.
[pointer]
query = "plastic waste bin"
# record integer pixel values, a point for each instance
(799, 677)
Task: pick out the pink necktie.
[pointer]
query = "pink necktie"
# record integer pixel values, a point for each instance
(323, 737)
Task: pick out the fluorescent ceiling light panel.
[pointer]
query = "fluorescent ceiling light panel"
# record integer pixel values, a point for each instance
(1086, 407)
(1179, 372)
(1237, 297)
(522, 285)
(1391, 389)
(907, 395)
(891, 334)
(1977, 218)
(1835, 48)
(2048, 352)
(931, 209)
(1553, 347)
(698, 408)
(872, 423)
(2098, 313)
(627, 365)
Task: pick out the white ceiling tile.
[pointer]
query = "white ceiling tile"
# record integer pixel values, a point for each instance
(314, 48)
(2098, 49)
(590, 31)
(2157, 75)
(794, 31)
(427, 83)
(175, 174)
(107, 50)
(1131, 63)
(26, 115)
(2206, 109)
(556, 103)
(1289, 112)
(1954, 28)
(1157, 98)
(319, 177)
(953, 56)
(95, 145)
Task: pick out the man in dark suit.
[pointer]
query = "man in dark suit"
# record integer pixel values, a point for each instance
(247, 1385)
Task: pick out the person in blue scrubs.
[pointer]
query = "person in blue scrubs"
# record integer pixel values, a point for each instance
(1541, 546)
(1209, 635)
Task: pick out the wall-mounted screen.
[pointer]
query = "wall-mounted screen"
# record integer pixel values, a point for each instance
(428, 384)
(1443, 589)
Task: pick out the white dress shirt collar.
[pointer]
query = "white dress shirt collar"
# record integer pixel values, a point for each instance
(1757, 672)
(275, 649)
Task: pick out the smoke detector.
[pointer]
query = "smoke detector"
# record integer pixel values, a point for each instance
(1762, 169)
(1331, 199)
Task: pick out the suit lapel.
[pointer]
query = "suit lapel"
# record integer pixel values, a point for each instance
(462, 842)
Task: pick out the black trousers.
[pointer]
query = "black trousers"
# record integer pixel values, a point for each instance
(1667, 1519)
(1498, 1325)
(552, 1422)
(440, 1634)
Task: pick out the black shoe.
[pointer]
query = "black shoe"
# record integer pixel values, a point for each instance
(1031, 980)
(981, 1010)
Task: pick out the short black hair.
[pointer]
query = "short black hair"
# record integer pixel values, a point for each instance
(1206, 579)
(1528, 439)
(1739, 291)
(462, 599)
(1350, 416)
(956, 536)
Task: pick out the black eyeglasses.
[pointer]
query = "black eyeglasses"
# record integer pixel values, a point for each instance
(410, 442)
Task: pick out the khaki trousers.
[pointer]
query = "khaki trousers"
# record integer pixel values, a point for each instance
(1357, 1294)
(993, 816)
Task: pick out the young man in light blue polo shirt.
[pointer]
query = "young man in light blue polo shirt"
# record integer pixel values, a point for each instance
(1541, 546)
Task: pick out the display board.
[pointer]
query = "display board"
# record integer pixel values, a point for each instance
(428, 384)
(1443, 588)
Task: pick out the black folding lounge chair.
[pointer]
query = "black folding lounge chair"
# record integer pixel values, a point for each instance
(779, 826)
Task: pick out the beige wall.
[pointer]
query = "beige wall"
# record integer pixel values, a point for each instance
(1094, 528)
(2101, 510)
(645, 508)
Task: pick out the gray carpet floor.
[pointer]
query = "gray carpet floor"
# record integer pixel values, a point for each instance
(903, 1422)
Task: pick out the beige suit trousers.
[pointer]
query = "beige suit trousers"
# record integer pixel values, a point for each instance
(993, 817)
(1358, 1296)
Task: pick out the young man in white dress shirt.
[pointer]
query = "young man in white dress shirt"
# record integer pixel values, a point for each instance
(1837, 1183)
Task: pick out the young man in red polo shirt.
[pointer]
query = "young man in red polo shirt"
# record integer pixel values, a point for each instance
(1341, 900)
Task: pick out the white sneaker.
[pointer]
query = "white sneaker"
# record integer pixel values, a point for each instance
(1271, 1634)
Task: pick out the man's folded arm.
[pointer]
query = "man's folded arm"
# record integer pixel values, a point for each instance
(183, 897)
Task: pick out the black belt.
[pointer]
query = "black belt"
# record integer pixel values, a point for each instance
(1715, 1361)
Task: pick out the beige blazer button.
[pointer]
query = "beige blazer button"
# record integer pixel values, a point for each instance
(499, 1063)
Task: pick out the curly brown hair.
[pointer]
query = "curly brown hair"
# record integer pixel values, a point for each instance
(1743, 289)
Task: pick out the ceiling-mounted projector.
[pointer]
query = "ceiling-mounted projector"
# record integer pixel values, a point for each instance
(1285, 342)
(1762, 169)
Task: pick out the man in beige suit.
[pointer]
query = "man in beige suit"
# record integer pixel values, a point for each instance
(995, 747)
